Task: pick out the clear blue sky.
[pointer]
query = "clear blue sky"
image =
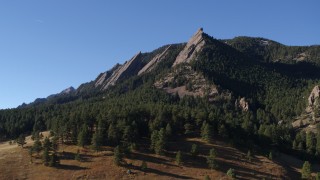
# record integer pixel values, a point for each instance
(47, 46)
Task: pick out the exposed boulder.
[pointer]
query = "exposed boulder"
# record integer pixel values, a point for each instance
(194, 45)
(152, 64)
(242, 104)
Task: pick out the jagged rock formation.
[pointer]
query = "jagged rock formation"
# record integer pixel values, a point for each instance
(126, 69)
(68, 90)
(103, 77)
(313, 99)
(157, 59)
(118, 72)
(242, 104)
(194, 45)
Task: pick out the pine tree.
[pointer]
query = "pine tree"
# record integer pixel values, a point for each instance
(295, 146)
(179, 158)
(144, 166)
(270, 155)
(231, 173)
(21, 141)
(113, 134)
(306, 170)
(96, 141)
(207, 177)
(54, 144)
(54, 160)
(194, 150)
(161, 142)
(37, 146)
(206, 132)
(154, 139)
(46, 144)
(83, 136)
(211, 159)
(46, 157)
(77, 157)
(310, 142)
(117, 157)
(168, 130)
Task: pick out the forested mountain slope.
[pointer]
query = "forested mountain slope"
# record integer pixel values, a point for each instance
(192, 88)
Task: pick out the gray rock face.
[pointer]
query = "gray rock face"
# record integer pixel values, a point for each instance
(125, 70)
(313, 99)
(152, 64)
(242, 104)
(68, 90)
(194, 45)
(103, 77)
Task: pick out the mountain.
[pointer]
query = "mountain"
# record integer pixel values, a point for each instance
(250, 92)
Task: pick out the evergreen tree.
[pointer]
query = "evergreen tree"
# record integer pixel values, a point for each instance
(179, 158)
(206, 132)
(306, 170)
(96, 141)
(83, 136)
(144, 166)
(54, 144)
(21, 141)
(37, 146)
(270, 155)
(154, 139)
(46, 144)
(168, 130)
(161, 142)
(310, 142)
(45, 157)
(54, 160)
(113, 134)
(231, 173)
(194, 150)
(207, 177)
(295, 146)
(211, 159)
(117, 157)
(77, 157)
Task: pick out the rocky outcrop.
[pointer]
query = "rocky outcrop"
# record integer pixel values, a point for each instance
(152, 64)
(68, 90)
(313, 99)
(102, 79)
(194, 45)
(242, 104)
(127, 69)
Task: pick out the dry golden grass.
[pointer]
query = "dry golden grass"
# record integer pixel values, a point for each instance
(15, 164)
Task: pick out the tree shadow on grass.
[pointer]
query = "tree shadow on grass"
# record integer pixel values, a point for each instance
(71, 167)
(158, 172)
(144, 157)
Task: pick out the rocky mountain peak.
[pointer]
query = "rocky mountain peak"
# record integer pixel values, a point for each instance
(194, 45)
(68, 90)
(157, 59)
(128, 68)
